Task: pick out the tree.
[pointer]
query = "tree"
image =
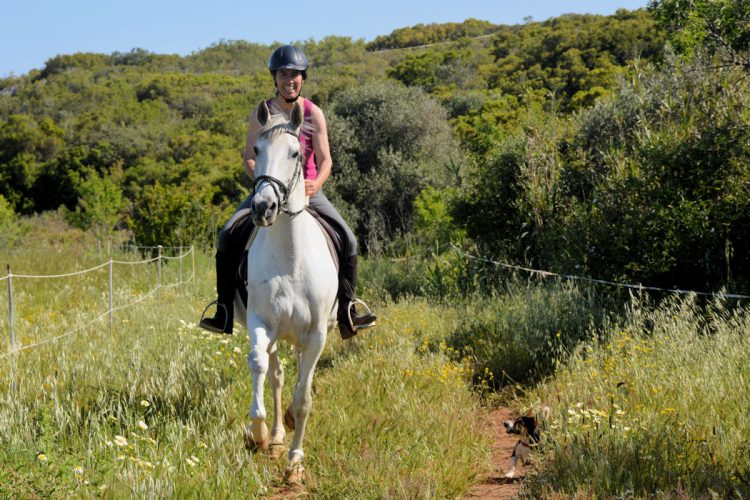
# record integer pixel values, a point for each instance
(388, 142)
(10, 227)
(99, 206)
(722, 27)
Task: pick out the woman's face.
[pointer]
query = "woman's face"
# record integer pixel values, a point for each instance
(289, 83)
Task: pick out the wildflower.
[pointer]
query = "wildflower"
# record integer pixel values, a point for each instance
(41, 457)
(143, 425)
(145, 403)
(78, 470)
(121, 440)
(237, 350)
(190, 462)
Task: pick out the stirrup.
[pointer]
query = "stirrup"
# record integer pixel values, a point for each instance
(349, 308)
(203, 316)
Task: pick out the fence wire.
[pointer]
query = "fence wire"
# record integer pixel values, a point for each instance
(10, 276)
(571, 277)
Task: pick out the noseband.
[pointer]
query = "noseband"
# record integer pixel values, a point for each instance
(280, 189)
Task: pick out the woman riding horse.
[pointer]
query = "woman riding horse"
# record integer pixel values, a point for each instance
(288, 66)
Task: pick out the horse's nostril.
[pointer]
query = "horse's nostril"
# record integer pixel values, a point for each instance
(272, 208)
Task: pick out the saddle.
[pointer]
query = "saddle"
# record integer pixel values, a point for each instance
(245, 225)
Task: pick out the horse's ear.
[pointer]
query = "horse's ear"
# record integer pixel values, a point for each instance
(298, 115)
(263, 113)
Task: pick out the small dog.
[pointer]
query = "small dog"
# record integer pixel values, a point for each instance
(528, 428)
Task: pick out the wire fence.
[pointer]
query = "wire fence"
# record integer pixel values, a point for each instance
(571, 277)
(11, 279)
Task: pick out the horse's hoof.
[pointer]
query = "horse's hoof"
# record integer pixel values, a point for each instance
(252, 444)
(276, 450)
(289, 418)
(294, 474)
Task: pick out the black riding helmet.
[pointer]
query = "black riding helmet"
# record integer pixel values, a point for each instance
(288, 57)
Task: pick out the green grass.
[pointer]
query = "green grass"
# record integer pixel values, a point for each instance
(156, 407)
(659, 409)
(646, 401)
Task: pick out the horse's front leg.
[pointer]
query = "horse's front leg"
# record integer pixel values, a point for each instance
(276, 377)
(302, 403)
(256, 435)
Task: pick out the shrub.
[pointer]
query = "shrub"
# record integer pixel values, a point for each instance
(388, 142)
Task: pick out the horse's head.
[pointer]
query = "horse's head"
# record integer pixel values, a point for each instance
(278, 164)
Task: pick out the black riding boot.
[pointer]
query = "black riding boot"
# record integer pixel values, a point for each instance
(350, 321)
(224, 317)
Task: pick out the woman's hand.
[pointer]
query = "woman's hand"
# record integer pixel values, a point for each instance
(311, 187)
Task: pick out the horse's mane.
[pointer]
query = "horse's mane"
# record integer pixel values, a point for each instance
(278, 123)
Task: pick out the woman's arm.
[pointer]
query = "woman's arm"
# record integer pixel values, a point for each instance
(248, 156)
(322, 152)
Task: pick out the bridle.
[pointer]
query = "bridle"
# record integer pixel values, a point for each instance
(280, 189)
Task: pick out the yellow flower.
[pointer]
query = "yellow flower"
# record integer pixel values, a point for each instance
(145, 403)
(143, 425)
(121, 441)
(78, 470)
(41, 457)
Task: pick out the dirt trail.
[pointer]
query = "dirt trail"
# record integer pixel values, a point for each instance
(496, 486)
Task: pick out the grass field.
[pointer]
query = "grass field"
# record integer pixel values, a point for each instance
(650, 400)
(157, 407)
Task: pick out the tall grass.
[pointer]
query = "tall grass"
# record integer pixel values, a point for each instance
(658, 409)
(156, 407)
(518, 336)
(646, 401)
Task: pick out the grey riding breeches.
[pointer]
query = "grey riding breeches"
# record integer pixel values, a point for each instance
(239, 225)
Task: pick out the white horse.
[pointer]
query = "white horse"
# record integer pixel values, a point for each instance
(292, 284)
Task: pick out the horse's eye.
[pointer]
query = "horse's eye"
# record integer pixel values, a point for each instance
(255, 149)
(294, 155)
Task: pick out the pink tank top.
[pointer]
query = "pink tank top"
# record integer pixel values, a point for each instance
(305, 140)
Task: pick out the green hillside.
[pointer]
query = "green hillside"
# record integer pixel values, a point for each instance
(541, 142)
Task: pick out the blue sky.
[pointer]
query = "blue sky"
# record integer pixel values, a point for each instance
(36, 30)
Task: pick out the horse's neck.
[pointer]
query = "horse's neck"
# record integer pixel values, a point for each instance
(287, 236)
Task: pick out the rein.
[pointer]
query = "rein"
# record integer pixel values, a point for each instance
(279, 188)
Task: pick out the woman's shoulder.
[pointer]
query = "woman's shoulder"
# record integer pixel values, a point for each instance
(313, 110)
